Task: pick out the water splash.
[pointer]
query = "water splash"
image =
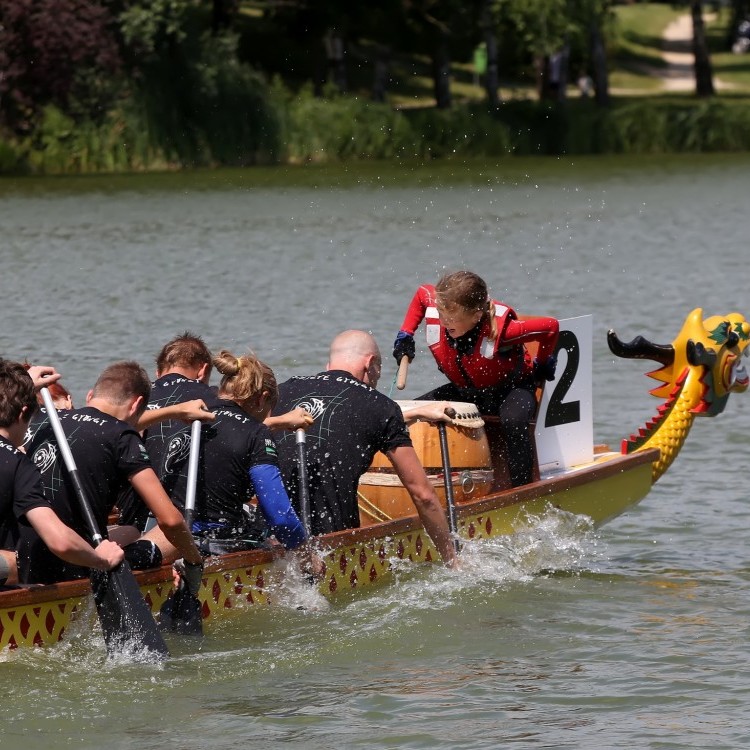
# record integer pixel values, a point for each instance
(552, 542)
(294, 589)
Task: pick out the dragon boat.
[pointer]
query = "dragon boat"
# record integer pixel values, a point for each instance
(697, 373)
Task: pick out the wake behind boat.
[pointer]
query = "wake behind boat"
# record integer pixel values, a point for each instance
(697, 373)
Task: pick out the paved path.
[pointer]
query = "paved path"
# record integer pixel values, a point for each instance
(677, 39)
(677, 42)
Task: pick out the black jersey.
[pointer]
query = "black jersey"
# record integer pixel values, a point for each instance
(20, 492)
(168, 442)
(352, 423)
(231, 446)
(107, 452)
(35, 423)
(168, 445)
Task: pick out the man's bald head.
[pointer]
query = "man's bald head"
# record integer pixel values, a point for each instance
(357, 353)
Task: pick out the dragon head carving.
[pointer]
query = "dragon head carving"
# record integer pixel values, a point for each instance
(713, 347)
(699, 369)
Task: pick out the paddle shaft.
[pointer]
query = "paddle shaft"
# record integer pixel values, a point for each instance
(448, 482)
(192, 477)
(403, 368)
(70, 465)
(123, 612)
(303, 489)
(182, 611)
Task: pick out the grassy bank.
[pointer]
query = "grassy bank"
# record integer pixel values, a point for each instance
(303, 129)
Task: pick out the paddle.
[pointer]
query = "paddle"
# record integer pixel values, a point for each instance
(303, 488)
(182, 612)
(447, 481)
(125, 617)
(403, 368)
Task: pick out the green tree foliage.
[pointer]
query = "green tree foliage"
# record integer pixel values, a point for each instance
(198, 102)
(58, 52)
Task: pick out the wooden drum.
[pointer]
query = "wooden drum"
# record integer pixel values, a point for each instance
(382, 496)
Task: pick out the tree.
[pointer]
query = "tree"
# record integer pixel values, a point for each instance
(543, 27)
(704, 83)
(598, 60)
(59, 52)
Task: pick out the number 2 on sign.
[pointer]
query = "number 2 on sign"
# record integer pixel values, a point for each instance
(560, 412)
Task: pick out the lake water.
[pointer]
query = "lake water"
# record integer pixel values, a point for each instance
(630, 636)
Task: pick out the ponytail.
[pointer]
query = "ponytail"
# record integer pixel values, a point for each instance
(244, 378)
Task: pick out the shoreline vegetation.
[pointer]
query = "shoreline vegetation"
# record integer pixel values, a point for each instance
(192, 100)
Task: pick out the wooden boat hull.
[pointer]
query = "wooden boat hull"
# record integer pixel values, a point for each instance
(354, 559)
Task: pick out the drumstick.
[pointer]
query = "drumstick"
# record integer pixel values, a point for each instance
(402, 370)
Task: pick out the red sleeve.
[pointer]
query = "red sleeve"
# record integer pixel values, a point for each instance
(424, 297)
(543, 330)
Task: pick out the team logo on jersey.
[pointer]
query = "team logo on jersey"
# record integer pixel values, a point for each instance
(44, 457)
(316, 406)
(270, 447)
(178, 449)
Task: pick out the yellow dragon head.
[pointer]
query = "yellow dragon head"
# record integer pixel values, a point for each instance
(699, 369)
(715, 347)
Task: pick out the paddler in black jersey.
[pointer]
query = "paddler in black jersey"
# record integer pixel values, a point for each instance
(238, 463)
(352, 422)
(23, 504)
(183, 371)
(110, 455)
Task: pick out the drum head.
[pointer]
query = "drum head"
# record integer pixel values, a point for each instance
(466, 414)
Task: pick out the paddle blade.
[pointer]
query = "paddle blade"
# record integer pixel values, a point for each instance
(182, 612)
(126, 619)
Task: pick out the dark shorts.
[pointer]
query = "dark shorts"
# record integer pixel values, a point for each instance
(251, 533)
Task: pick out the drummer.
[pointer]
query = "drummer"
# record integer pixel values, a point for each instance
(352, 423)
(479, 344)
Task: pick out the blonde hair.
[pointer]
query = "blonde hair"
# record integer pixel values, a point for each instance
(245, 378)
(466, 290)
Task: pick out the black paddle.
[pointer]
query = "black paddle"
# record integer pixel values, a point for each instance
(303, 488)
(126, 619)
(182, 612)
(447, 480)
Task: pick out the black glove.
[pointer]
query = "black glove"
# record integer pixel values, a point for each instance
(545, 370)
(191, 573)
(404, 346)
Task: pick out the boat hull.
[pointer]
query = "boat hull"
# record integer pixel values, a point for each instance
(355, 559)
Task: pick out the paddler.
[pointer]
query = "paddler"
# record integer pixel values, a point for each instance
(183, 371)
(110, 456)
(238, 461)
(22, 500)
(353, 421)
(479, 344)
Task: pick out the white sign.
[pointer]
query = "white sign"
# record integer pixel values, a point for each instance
(565, 424)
